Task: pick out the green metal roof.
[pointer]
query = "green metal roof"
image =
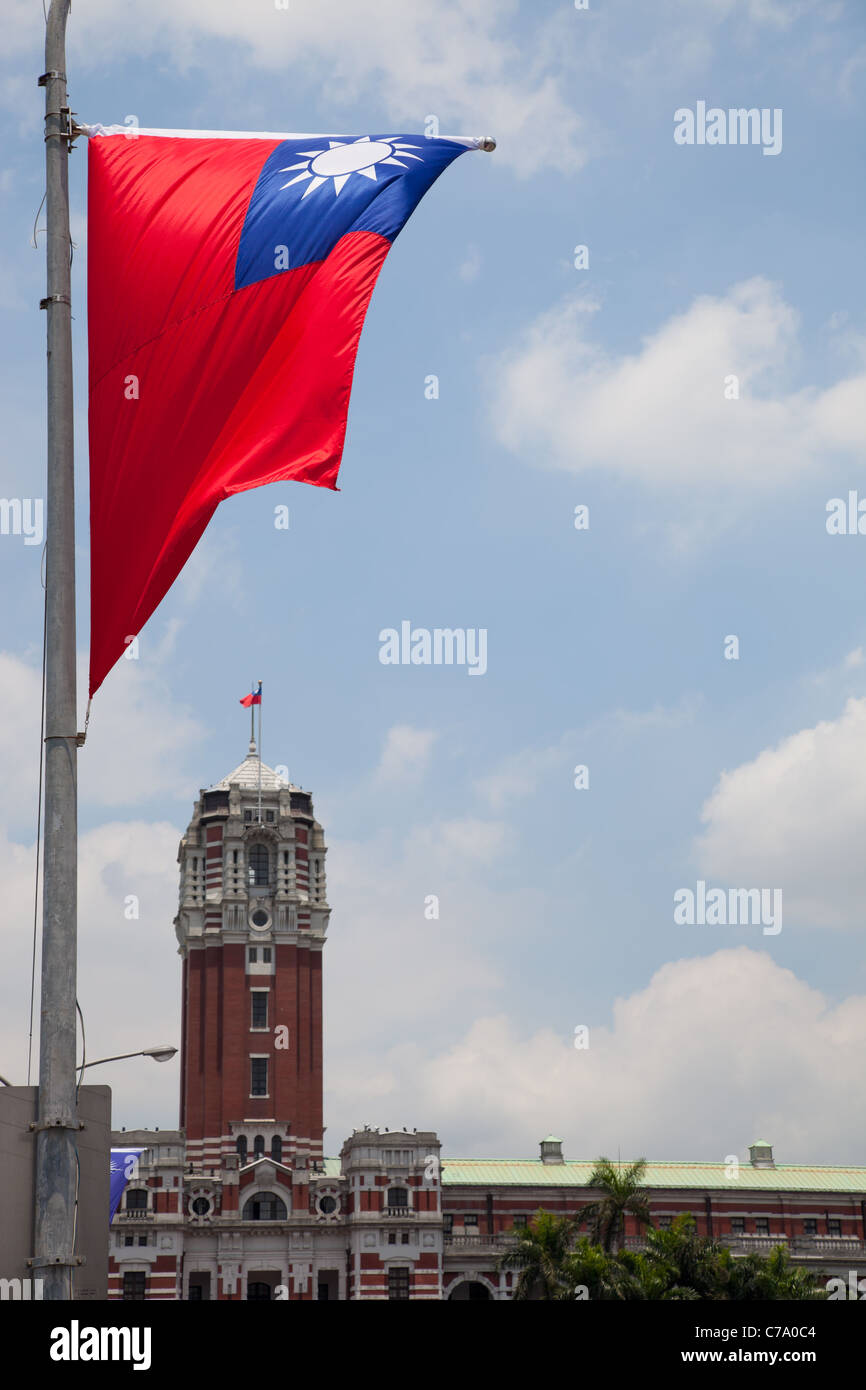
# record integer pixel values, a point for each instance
(787, 1177)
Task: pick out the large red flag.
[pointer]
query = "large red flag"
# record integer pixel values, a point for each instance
(228, 279)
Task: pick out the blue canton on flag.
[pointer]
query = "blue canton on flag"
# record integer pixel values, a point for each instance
(311, 193)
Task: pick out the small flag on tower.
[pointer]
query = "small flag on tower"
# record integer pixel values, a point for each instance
(254, 697)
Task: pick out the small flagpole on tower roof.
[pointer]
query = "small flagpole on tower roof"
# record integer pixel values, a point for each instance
(252, 720)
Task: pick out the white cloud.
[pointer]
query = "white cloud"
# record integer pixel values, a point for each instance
(416, 973)
(795, 817)
(406, 754)
(466, 840)
(521, 773)
(129, 997)
(660, 415)
(136, 748)
(390, 971)
(754, 1049)
(470, 266)
(142, 741)
(455, 60)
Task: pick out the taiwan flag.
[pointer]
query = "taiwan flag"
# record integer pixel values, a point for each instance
(228, 279)
(254, 697)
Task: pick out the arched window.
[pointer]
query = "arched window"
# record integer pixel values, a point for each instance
(260, 866)
(258, 1146)
(241, 1147)
(277, 1149)
(265, 1206)
(398, 1197)
(136, 1199)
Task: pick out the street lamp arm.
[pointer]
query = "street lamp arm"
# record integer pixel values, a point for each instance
(159, 1054)
(121, 1057)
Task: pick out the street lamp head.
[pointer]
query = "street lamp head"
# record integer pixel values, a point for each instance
(160, 1054)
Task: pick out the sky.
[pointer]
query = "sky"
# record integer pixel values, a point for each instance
(694, 379)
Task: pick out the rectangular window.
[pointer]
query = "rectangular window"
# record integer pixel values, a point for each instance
(470, 1222)
(519, 1222)
(269, 815)
(398, 1284)
(404, 1239)
(254, 955)
(248, 815)
(259, 1014)
(664, 1223)
(810, 1226)
(266, 955)
(448, 1223)
(762, 1226)
(258, 1076)
(392, 1238)
(134, 1282)
(834, 1228)
(142, 1240)
(738, 1225)
(129, 1240)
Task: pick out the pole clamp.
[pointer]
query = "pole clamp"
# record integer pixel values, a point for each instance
(68, 129)
(55, 299)
(51, 1261)
(50, 76)
(57, 1122)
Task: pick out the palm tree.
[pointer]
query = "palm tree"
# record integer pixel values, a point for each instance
(588, 1273)
(774, 1278)
(623, 1193)
(539, 1253)
(690, 1266)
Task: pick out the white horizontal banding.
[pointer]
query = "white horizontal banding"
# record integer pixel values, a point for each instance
(472, 142)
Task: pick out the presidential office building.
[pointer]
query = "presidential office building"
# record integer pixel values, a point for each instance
(241, 1202)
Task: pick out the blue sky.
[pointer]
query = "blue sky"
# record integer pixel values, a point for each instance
(557, 387)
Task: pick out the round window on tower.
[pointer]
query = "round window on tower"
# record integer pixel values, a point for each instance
(260, 919)
(201, 1206)
(327, 1205)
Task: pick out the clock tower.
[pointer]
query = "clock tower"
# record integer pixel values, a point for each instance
(251, 926)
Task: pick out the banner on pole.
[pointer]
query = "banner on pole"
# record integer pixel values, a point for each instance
(228, 279)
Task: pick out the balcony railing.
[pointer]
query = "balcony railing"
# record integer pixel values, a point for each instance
(457, 1240)
(744, 1244)
(826, 1245)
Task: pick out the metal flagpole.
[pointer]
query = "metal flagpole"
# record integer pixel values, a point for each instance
(260, 752)
(57, 1123)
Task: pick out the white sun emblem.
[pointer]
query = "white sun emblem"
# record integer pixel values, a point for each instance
(342, 159)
